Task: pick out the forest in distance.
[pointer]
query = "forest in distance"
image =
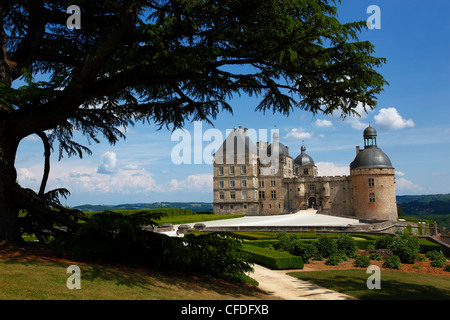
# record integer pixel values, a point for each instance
(435, 207)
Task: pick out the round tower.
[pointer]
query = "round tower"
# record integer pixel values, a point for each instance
(373, 181)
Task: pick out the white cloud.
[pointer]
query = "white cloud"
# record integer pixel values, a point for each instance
(403, 184)
(24, 174)
(390, 119)
(197, 182)
(323, 123)
(109, 163)
(330, 169)
(399, 173)
(298, 133)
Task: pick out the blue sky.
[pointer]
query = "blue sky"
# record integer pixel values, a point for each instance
(412, 119)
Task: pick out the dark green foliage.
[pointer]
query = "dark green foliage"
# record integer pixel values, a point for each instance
(335, 259)
(362, 261)
(437, 258)
(273, 259)
(347, 245)
(434, 255)
(292, 243)
(383, 242)
(116, 237)
(326, 246)
(392, 262)
(375, 256)
(406, 247)
(447, 268)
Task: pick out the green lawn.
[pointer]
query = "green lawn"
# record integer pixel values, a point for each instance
(394, 285)
(45, 280)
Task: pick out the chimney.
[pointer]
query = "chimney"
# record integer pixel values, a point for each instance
(246, 132)
(357, 150)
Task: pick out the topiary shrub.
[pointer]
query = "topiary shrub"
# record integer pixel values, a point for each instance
(383, 242)
(392, 262)
(326, 246)
(375, 256)
(406, 248)
(347, 245)
(362, 261)
(335, 259)
(304, 250)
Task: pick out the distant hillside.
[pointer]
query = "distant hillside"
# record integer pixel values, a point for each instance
(424, 204)
(194, 206)
(434, 207)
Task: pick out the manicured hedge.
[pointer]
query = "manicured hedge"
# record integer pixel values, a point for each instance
(273, 259)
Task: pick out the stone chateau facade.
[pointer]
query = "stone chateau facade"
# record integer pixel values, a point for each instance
(263, 179)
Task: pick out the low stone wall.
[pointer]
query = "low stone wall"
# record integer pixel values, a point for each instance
(376, 227)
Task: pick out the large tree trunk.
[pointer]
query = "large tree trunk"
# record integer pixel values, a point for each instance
(9, 227)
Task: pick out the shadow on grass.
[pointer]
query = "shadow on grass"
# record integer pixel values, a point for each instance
(142, 277)
(394, 285)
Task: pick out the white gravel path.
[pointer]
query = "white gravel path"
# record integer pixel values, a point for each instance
(279, 284)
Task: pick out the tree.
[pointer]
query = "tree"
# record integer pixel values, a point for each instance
(165, 62)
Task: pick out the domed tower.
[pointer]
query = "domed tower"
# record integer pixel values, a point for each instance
(373, 181)
(304, 164)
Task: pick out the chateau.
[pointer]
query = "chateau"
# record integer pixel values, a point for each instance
(263, 179)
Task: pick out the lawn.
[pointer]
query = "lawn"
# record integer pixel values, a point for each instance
(25, 279)
(395, 285)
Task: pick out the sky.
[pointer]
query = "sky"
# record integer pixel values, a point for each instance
(412, 119)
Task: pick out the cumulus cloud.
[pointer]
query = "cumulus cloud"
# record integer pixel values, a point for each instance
(330, 169)
(298, 133)
(197, 182)
(390, 119)
(403, 185)
(109, 163)
(323, 123)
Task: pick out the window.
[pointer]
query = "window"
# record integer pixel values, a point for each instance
(244, 182)
(371, 197)
(273, 194)
(244, 195)
(231, 169)
(371, 182)
(273, 183)
(221, 207)
(312, 187)
(221, 196)
(232, 195)
(220, 171)
(261, 184)
(305, 171)
(262, 195)
(245, 206)
(243, 169)
(231, 183)
(220, 183)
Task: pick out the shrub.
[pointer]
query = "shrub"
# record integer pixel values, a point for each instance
(434, 255)
(406, 248)
(273, 259)
(438, 263)
(335, 259)
(285, 241)
(447, 268)
(392, 262)
(347, 245)
(375, 256)
(326, 246)
(383, 242)
(362, 261)
(304, 250)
